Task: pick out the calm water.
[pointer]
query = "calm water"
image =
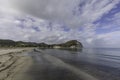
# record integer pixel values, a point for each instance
(103, 64)
(106, 57)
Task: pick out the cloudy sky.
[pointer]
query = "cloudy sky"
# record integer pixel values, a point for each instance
(95, 23)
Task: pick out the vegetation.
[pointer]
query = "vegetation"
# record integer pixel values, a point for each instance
(11, 43)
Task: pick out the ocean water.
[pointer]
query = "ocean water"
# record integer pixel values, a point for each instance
(102, 63)
(55, 64)
(101, 56)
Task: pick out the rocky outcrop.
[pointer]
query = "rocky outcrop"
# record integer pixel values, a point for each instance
(69, 44)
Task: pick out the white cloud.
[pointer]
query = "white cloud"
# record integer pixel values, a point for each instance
(74, 13)
(110, 40)
(53, 16)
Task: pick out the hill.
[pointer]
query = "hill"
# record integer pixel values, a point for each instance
(68, 44)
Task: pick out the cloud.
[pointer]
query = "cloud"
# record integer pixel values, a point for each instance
(110, 40)
(73, 13)
(54, 21)
(28, 28)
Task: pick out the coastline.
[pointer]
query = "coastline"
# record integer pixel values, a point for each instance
(12, 61)
(18, 62)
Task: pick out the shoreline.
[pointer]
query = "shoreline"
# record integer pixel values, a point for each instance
(11, 62)
(15, 64)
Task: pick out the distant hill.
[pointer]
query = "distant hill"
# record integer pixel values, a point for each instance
(11, 43)
(68, 44)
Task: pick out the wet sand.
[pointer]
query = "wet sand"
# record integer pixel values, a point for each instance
(47, 67)
(32, 64)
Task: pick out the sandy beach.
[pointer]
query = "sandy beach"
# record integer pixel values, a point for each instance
(38, 64)
(11, 62)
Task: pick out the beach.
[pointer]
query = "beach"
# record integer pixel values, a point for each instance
(12, 62)
(54, 64)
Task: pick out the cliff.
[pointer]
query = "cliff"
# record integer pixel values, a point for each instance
(69, 44)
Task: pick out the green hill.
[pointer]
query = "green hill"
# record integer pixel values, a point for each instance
(68, 44)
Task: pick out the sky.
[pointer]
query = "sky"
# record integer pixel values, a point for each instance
(95, 23)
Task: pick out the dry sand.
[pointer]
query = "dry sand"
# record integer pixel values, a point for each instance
(12, 62)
